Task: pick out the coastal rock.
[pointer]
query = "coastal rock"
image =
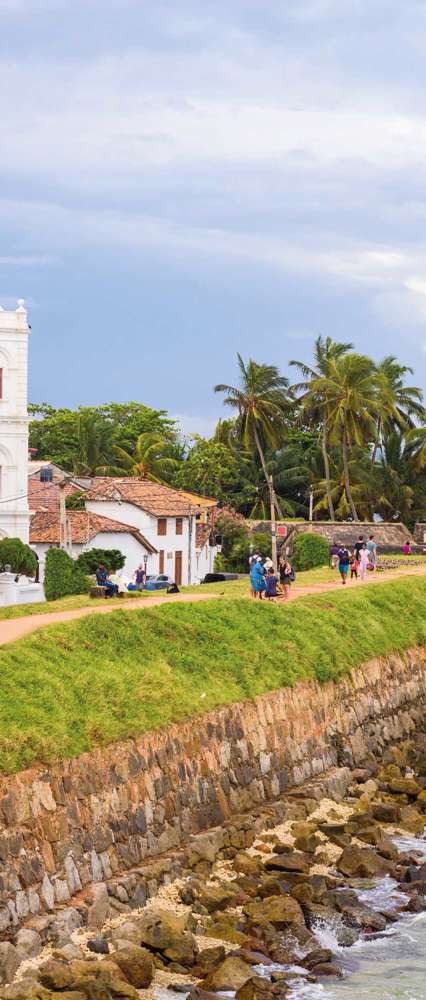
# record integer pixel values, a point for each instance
(362, 863)
(136, 965)
(297, 861)
(277, 910)
(10, 960)
(28, 943)
(230, 975)
(259, 988)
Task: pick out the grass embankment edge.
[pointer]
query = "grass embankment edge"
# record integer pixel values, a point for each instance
(72, 687)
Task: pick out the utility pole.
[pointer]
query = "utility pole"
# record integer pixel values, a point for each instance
(273, 524)
(65, 540)
(311, 503)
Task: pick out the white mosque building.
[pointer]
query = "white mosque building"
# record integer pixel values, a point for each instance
(14, 510)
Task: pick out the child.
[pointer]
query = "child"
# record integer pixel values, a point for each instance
(354, 564)
(271, 584)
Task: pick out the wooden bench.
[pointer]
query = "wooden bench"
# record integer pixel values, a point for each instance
(97, 591)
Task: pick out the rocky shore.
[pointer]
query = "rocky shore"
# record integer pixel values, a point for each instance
(240, 908)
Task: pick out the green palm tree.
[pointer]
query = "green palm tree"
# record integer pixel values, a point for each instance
(400, 402)
(314, 406)
(152, 458)
(262, 405)
(351, 400)
(93, 444)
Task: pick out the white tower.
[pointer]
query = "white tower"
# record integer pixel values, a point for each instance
(14, 512)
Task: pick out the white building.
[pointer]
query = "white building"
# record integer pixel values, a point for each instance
(169, 519)
(89, 531)
(14, 511)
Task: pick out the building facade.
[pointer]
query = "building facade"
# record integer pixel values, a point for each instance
(14, 509)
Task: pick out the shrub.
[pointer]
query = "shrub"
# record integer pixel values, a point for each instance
(238, 559)
(89, 561)
(309, 551)
(63, 575)
(18, 556)
(219, 563)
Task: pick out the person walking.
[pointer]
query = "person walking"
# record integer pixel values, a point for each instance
(334, 555)
(354, 564)
(140, 577)
(372, 551)
(257, 579)
(364, 557)
(359, 545)
(287, 576)
(344, 558)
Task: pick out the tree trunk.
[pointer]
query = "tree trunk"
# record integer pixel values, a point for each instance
(346, 478)
(377, 442)
(327, 472)
(272, 493)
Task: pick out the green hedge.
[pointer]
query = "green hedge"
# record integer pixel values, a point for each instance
(111, 558)
(310, 551)
(63, 576)
(18, 556)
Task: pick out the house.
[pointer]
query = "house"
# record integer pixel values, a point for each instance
(43, 485)
(89, 531)
(169, 519)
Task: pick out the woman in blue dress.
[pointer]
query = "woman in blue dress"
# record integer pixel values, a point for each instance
(257, 579)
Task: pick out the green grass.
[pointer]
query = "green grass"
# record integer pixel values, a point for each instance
(70, 687)
(62, 604)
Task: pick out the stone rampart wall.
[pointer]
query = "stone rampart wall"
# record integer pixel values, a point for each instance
(90, 818)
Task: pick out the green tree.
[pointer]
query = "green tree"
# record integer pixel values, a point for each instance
(62, 575)
(399, 402)
(213, 469)
(314, 400)
(352, 404)
(152, 458)
(89, 561)
(263, 408)
(18, 556)
(93, 443)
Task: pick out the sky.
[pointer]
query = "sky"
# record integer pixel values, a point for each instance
(183, 180)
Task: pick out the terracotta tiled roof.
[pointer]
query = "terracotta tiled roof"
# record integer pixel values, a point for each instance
(45, 496)
(44, 528)
(158, 500)
(202, 534)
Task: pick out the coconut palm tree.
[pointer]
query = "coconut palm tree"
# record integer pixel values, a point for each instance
(262, 405)
(93, 446)
(352, 403)
(314, 404)
(152, 458)
(400, 402)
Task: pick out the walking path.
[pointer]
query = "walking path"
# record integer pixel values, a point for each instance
(16, 628)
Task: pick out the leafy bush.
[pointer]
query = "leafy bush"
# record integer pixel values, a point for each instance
(219, 563)
(18, 556)
(89, 561)
(238, 559)
(75, 501)
(232, 528)
(310, 551)
(63, 575)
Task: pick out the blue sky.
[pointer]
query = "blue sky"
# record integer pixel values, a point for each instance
(183, 180)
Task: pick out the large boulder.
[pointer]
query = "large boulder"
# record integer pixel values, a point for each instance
(136, 965)
(28, 943)
(161, 930)
(215, 897)
(229, 976)
(412, 820)
(209, 959)
(296, 861)
(361, 862)
(259, 988)
(404, 786)
(281, 911)
(10, 960)
(99, 910)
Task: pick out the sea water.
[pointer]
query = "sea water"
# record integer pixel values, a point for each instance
(391, 966)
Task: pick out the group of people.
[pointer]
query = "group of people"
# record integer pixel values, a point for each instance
(265, 583)
(115, 584)
(359, 560)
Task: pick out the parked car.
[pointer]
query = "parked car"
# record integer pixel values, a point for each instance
(219, 577)
(158, 581)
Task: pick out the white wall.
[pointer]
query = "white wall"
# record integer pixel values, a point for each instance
(205, 558)
(126, 543)
(14, 515)
(148, 526)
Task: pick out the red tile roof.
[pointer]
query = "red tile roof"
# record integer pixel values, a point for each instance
(154, 498)
(45, 496)
(44, 528)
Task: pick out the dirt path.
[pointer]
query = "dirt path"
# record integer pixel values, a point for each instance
(16, 628)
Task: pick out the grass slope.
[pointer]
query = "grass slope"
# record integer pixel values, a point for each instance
(68, 688)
